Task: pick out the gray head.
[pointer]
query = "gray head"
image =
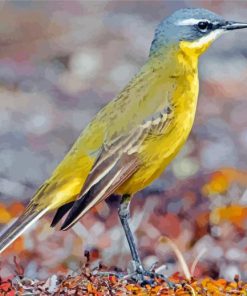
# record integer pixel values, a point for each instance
(196, 26)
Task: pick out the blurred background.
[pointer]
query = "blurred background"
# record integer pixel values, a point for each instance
(60, 62)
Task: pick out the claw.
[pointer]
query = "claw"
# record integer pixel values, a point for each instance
(139, 275)
(144, 277)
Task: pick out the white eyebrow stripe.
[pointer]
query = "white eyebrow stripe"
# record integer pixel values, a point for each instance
(190, 22)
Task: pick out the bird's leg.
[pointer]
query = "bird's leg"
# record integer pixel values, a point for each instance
(124, 215)
(139, 272)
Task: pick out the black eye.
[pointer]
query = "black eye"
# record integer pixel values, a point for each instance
(203, 26)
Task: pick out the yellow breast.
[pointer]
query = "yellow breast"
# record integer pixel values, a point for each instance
(160, 150)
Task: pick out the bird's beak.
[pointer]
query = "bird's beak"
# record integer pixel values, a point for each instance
(234, 26)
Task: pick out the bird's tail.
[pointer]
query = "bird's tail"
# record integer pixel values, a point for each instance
(31, 214)
(29, 217)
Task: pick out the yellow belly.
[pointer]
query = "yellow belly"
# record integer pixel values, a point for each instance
(157, 155)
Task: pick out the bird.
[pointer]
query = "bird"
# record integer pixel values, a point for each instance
(134, 137)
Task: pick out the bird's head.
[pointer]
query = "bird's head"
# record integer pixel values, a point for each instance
(192, 29)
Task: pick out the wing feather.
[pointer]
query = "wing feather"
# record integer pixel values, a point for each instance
(108, 184)
(117, 162)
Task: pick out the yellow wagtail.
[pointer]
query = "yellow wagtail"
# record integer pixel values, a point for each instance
(135, 136)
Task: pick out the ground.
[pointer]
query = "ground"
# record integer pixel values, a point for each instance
(90, 282)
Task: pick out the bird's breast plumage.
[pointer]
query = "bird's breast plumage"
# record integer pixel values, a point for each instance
(167, 133)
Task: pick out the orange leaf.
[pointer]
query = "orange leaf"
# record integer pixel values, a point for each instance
(236, 214)
(16, 209)
(5, 216)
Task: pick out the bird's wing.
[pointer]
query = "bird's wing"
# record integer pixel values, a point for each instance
(61, 212)
(116, 163)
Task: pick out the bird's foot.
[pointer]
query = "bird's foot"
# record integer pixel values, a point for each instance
(140, 275)
(146, 277)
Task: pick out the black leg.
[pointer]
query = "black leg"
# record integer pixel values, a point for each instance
(140, 272)
(124, 215)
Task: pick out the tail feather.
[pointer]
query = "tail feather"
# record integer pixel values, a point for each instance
(29, 217)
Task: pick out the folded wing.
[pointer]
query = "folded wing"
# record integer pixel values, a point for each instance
(115, 164)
